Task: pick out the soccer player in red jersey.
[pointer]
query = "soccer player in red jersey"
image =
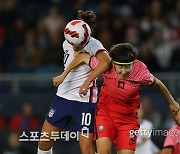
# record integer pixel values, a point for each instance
(172, 140)
(116, 113)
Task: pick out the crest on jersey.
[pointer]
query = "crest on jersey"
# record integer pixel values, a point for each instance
(101, 127)
(51, 112)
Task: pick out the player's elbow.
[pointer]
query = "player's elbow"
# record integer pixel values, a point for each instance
(158, 83)
(106, 63)
(104, 58)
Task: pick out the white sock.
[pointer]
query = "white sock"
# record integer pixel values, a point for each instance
(44, 152)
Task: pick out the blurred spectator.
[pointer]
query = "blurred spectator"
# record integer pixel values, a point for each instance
(156, 14)
(54, 22)
(168, 122)
(174, 14)
(175, 60)
(148, 58)
(53, 55)
(118, 30)
(105, 15)
(19, 28)
(145, 28)
(29, 56)
(42, 34)
(14, 145)
(2, 122)
(132, 35)
(150, 113)
(162, 49)
(144, 142)
(25, 120)
(127, 16)
(6, 52)
(106, 38)
(8, 14)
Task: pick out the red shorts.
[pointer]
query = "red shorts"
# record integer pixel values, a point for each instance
(117, 128)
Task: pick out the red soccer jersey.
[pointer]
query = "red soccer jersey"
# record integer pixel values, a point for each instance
(173, 139)
(123, 95)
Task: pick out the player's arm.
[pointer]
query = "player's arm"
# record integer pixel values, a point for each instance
(103, 65)
(167, 150)
(174, 106)
(79, 59)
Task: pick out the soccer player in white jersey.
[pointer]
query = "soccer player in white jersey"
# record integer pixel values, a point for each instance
(68, 104)
(144, 142)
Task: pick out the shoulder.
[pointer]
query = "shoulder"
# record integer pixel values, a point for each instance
(66, 44)
(94, 46)
(140, 69)
(141, 73)
(174, 127)
(140, 64)
(172, 136)
(94, 41)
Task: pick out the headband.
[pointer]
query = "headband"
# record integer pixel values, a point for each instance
(119, 63)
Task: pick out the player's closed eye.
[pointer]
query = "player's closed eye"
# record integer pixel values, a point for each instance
(123, 66)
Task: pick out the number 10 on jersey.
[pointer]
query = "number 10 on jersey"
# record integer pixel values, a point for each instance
(86, 119)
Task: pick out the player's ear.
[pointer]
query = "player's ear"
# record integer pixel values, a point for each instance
(113, 64)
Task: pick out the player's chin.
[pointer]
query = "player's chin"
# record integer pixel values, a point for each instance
(123, 76)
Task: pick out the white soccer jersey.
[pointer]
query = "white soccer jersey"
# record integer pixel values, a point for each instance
(69, 89)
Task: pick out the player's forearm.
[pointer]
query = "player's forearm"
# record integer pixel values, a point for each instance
(103, 65)
(168, 150)
(163, 89)
(80, 58)
(76, 62)
(101, 68)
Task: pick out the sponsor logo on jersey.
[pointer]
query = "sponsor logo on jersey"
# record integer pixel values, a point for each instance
(101, 127)
(51, 112)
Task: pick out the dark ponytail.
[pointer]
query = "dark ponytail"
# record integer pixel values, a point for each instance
(88, 16)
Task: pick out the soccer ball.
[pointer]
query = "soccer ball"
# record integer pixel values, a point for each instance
(77, 33)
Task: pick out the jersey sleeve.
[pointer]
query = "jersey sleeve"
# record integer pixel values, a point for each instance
(96, 47)
(148, 78)
(93, 62)
(64, 44)
(145, 75)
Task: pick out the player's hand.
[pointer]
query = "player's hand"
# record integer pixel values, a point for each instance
(144, 138)
(174, 107)
(84, 89)
(58, 80)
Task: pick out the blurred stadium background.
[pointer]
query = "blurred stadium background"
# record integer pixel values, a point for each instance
(31, 36)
